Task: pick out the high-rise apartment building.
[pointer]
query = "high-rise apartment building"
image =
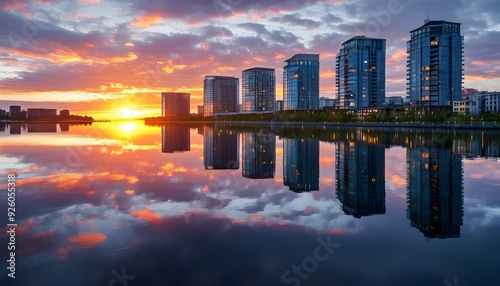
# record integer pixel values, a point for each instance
(258, 89)
(360, 77)
(301, 82)
(220, 95)
(435, 64)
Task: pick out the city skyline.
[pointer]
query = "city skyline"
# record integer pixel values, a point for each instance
(104, 50)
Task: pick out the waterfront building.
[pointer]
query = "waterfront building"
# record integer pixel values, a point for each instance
(301, 82)
(14, 110)
(200, 109)
(360, 77)
(39, 113)
(220, 95)
(435, 64)
(64, 112)
(258, 89)
(279, 105)
(325, 102)
(175, 104)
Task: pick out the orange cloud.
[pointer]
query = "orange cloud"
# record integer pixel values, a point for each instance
(398, 57)
(398, 181)
(146, 215)
(87, 240)
(145, 21)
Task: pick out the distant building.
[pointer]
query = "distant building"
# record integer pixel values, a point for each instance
(258, 89)
(301, 82)
(325, 102)
(435, 64)
(360, 78)
(175, 104)
(476, 104)
(220, 95)
(200, 109)
(279, 105)
(14, 110)
(491, 102)
(394, 101)
(3, 112)
(64, 112)
(39, 113)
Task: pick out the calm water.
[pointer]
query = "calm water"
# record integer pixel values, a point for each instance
(128, 204)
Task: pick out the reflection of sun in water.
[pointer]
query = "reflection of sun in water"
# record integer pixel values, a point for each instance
(128, 127)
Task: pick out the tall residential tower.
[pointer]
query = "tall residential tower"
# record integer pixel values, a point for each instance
(301, 82)
(435, 64)
(259, 89)
(220, 95)
(360, 78)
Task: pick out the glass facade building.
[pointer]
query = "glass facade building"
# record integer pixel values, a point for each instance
(301, 82)
(435, 64)
(360, 77)
(175, 104)
(220, 95)
(258, 89)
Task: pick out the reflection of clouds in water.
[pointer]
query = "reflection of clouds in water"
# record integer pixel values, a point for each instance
(481, 214)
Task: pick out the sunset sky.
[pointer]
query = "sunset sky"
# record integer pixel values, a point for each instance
(108, 58)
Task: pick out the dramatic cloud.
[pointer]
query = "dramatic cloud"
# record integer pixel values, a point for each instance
(90, 49)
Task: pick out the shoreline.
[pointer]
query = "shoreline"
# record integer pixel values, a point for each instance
(431, 125)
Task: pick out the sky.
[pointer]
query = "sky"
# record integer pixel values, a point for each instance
(109, 58)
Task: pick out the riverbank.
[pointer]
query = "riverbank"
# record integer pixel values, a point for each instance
(446, 125)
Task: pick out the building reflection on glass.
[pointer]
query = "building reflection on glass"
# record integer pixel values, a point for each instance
(301, 164)
(64, 127)
(259, 155)
(175, 139)
(42, 127)
(220, 148)
(360, 178)
(15, 128)
(435, 190)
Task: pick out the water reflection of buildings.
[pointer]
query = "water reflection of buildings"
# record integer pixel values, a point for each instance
(434, 190)
(360, 178)
(220, 148)
(478, 144)
(2, 126)
(301, 164)
(42, 127)
(15, 128)
(259, 155)
(64, 126)
(175, 139)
